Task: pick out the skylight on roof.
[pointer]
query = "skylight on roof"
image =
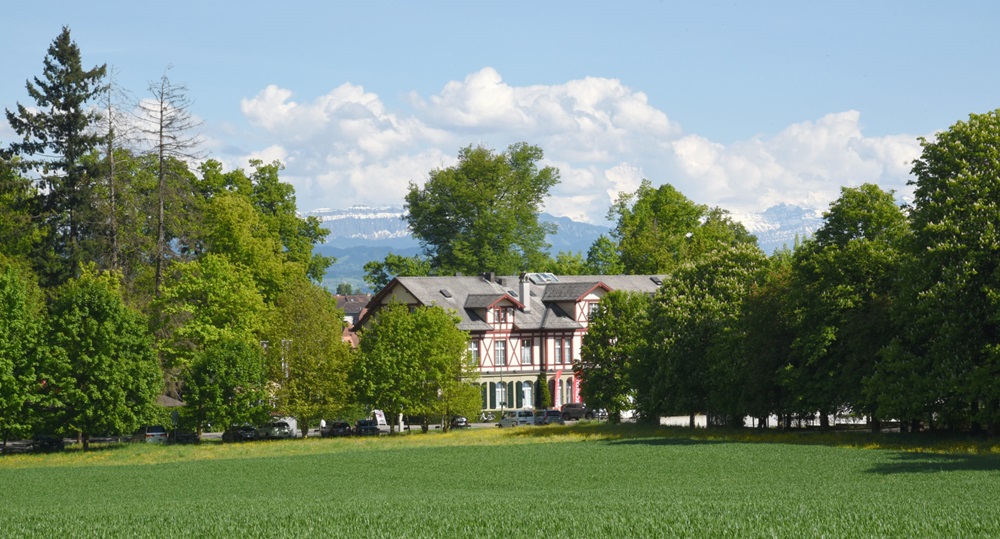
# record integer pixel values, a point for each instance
(445, 292)
(542, 278)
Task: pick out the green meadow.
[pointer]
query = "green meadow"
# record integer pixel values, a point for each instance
(580, 481)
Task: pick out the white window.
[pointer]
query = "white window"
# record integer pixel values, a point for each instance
(592, 309)
(501, 353)
(504, 314)
(474, 351)
(526, 394)
(526, 349)
(563, 350)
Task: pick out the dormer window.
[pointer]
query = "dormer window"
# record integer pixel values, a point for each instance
(504, 315)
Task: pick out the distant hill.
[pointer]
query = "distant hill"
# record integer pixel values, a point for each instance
(360, 234)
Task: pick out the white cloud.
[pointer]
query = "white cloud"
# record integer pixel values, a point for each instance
(346, 148)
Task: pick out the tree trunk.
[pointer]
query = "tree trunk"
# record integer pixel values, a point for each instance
(691, 420)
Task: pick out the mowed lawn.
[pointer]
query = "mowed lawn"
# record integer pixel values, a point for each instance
(529, 482)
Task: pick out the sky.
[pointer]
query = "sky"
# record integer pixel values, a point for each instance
(742, 105)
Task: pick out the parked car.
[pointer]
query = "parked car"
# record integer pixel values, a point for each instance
(47, 443)
(155, 434)
(242, 433)
(276, 430)
(576, 410)
(460, 422)
(336, 428)
(514, 418)
(366, 427)
(550, 416)
(183, 436)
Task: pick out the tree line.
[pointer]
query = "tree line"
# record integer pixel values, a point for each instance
(888, 313)
(128, 271)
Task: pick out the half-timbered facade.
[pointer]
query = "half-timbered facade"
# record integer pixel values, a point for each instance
(518, 326)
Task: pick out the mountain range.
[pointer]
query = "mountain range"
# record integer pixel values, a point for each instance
(360, 234)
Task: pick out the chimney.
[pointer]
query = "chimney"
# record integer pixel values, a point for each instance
(525, 292)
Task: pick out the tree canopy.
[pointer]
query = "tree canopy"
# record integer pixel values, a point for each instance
(56, 136)
(413, 362)
(482, 214)
(615, 333)
(658, 229)
(101, 373)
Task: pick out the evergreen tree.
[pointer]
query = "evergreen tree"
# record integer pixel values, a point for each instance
(56, 137)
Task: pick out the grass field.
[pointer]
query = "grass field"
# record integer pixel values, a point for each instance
(583, 481)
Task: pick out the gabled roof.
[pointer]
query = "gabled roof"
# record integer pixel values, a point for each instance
(469, 295)
(488, 301)
(571, 291)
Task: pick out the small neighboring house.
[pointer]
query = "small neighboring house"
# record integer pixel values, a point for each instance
(354, 308)
(518, 326)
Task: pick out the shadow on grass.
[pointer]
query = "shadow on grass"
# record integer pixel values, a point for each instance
(624, 433)
(910, 463)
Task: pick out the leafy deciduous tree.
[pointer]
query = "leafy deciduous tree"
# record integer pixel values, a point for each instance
(20, 331)
(311, 369)
(226, 384)
(943, 366)
(410, 360)
(101, 373)
(482, 214)
(614, 335)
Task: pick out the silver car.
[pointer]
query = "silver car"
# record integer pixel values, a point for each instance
(516, 418)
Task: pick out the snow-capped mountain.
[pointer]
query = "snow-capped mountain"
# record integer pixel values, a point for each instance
(363, 222)
(360, 234)
(779, 226)
(359, 225)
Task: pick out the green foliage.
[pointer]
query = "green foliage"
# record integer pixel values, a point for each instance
(19, 201)
(100, 374)
(566, 264)
(659, 229)
(345, 289)
(685, 366)
(378, 274)
(410, 360)
(603, 258)
(843, 284)
(56, 135)
(275, 201)
(615, 333)
(253, 221)
(766, 331)
(225, 385)
(22, 306)
(543, 396)
(948, 302)
(482, 214)
(307, 356)
(209, 301)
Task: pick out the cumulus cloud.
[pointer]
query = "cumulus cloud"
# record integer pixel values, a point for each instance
(347, 148)
(805, 164)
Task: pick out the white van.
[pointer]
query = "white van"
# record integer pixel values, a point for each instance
(516, 418)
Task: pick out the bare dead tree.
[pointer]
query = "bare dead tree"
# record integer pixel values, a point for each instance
(167, 120)
(119, 128)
